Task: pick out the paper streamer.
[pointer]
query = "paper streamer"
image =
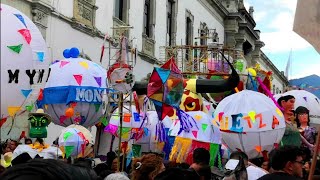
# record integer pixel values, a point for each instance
(269, 93)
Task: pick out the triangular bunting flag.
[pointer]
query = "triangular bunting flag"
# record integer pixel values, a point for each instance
(26, 34)
(305, 98)
(21, 19)
(104, 121)
(252, 115)
(12, 110)
(258, 148)
(208, 107)
(63, 63)
(40, 56)
(66, 135)
(204, 127)
(16, 48)
(78, 78)
(84, 64)
(2, 121)
(163, 73)
(68, 150)
(98, 80)
(195, 133)
(97, 107)
(26, 92)
(29, 107)
(62, 119)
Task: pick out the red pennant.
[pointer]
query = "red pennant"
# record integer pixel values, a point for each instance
(62, 119)
(23, 135)
(208, 107)
(2, 121)
(78, 78)
(40, 97)
(26, 34)
(195, 133)
(276, 145)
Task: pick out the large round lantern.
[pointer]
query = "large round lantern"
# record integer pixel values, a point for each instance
(73, 93)
(250, 122)
(24, 65)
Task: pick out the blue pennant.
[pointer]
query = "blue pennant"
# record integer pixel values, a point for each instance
(163, 74)
(26, 92)
(21, 19)
(40, 56)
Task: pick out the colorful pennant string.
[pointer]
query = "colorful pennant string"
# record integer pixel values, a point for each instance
(20, 17)
(40, 56)
(26, 34)
(78, 78)
(16, 49)
(26, 92)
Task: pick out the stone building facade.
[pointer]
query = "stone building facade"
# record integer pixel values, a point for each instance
(84, 23)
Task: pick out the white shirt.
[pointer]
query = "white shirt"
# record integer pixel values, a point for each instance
(254, 173)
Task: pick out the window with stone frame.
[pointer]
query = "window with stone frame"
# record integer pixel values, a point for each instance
(148, 42)
(84, 12)
(149, 18)
(171, 21)
(121, 10)
(189, 32)
(204, 33)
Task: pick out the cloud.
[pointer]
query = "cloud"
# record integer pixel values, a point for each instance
(259, 16)
(282, 22)
(283, 41)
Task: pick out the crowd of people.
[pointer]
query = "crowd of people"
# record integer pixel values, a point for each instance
(287, 162)
(291, 160)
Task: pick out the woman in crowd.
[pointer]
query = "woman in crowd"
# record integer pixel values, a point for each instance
(308, 134)
(147, 167)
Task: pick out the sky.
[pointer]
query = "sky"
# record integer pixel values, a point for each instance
(274, 18)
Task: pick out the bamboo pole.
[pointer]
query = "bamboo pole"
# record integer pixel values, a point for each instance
(120, 132)
(314, 158)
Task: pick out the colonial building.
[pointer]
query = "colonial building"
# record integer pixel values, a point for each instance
(84, 23)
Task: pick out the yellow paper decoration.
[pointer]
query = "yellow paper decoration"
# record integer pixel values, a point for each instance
(279, 112)
(12, 110)
(84, 64)
(46, 106)
(198, 117)
(160, 146)
(252, 115)
(180, 149)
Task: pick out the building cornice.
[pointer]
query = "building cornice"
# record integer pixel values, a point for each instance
(274, 68)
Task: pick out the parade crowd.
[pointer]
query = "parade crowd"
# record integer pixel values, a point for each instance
(291, 160)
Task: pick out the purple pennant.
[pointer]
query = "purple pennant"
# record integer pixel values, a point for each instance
(98, 80)
(21, 19)
(305, 98)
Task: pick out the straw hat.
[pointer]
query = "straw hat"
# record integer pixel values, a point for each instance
(7, 158)
(40, 112)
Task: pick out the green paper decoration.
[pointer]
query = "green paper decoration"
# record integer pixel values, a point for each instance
(214, 150)
(204, 127)
(67, 135)
(136, 150)
(104, 121)
(239, 65)
(16, 48)
(29, 107)
(97, 106)
(68, 150)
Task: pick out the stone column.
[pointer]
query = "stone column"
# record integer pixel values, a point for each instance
(40, 10)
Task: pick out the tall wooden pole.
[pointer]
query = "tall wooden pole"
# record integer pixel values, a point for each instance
(314, 158)
(120, 107)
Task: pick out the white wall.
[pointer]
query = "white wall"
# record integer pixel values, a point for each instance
(276, 80)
